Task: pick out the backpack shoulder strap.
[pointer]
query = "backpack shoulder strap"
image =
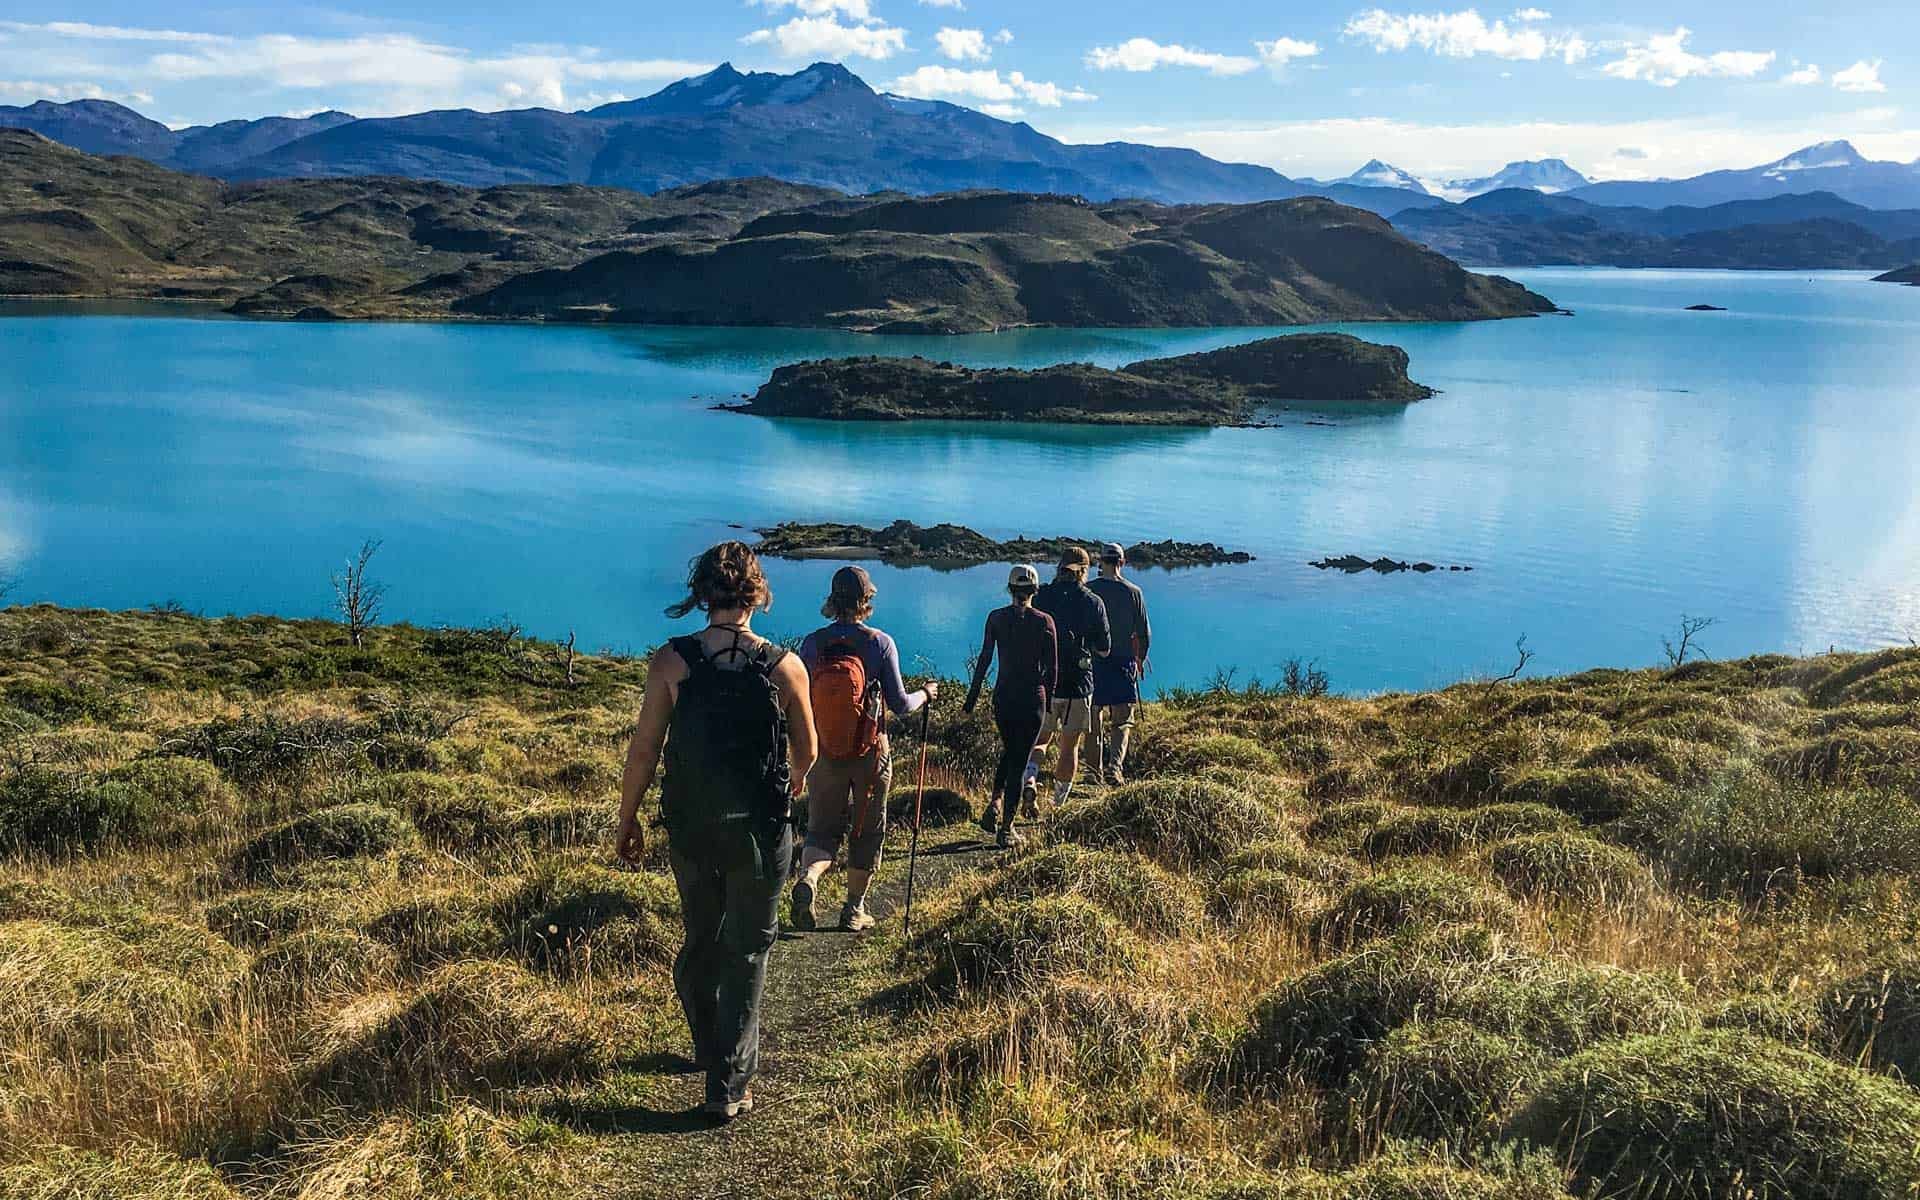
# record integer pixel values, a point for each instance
(691, 652)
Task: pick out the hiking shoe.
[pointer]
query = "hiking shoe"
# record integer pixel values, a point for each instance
(1116, 777)
(800, 915)
(1030, 798)
(1009, 838)
(726, 1110)
(856, 918)
(989, 822)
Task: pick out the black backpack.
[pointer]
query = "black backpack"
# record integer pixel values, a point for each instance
(726, 753)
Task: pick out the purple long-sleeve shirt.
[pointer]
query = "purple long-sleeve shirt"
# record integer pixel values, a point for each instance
(877, 653)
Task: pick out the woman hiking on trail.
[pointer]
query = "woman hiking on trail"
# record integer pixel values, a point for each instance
(732, 712)
(1028, 647)
(855, 679)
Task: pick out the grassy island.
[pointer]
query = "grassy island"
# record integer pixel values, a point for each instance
(285, 917)
(904, 544)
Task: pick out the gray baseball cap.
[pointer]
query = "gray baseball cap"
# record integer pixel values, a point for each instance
(1113, 552)
(1023, 576)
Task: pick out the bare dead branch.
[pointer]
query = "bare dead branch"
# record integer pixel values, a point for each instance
(357, 597)
(1680, 649)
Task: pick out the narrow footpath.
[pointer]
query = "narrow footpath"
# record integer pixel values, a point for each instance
(667, 1149)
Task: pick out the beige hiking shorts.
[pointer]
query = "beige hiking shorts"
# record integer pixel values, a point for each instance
(1069, 716)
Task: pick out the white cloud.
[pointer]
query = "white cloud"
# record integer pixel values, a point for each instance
(1145, 54)
(374, 74)
(853, 10)
(826, 37)
(963, 45)
(1664, 60)
(1532, 14)
(1004, 37)
(1281, 51)
(1862, 76)
(1464, 34)
(1801, 76)
(956, 5)
(987, 85)
(1006, 112)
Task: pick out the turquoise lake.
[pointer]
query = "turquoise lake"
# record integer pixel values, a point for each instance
(1603, 473)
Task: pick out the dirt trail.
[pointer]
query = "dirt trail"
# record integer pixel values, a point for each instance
(665, 1148)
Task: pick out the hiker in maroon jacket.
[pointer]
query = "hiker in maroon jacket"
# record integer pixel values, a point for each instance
(1028, 647)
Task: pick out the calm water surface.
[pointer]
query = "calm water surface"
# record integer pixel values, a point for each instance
(1603, 473)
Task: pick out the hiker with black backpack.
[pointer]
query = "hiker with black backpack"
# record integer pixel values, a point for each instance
(854, 679)
(1080, 617)
(732, 712)
(1116, 678)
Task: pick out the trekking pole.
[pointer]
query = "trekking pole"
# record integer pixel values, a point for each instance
(920, 794)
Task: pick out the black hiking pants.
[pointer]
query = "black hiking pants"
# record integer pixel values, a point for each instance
(1019, 719)
(730, 883)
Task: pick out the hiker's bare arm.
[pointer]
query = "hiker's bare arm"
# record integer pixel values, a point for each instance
(664, 674)
(980, 667)
(791, 678)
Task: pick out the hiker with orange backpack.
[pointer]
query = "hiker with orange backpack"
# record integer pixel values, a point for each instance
(854, 673)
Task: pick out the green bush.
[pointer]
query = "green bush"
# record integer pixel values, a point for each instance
(1569, 866)
(132, 1172)
(343, 831)
(458, 813)
(1591, 796)
(63, 703)
(1442, 1081)
(1186, 754)
(57, 812)
(1665, 758)
(1259, 893)
(1875, 1014)
(1007, 947)
(1749, 834)
(1712, 1114)
(473, 1027)
(1405, 897)
(1275, 792)
(254, 919)
(571, 918)
(183, 797)
(1885, 677)
(1324, 1022)
(1781, 1017)
(440, 928)
(1291, 858)
(1147, 897)
(1342, 821)
(320, 963)
(1444, 830)
(1182, 822)
(1881, 758)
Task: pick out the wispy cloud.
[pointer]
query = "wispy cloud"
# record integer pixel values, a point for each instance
(963, 45)
(1664, 60)
(1802, 75)
(1145, 54)
(825, 37)
(1465, 34)
(1860, 77)
(999, 94)
(1281, 51)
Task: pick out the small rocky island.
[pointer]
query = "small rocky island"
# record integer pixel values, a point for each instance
(1214, 388)
(951, 547)
(1907, 275)
(1354, 564)
(1705, 308)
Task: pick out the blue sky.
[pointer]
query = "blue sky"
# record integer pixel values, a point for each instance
(1622, 90)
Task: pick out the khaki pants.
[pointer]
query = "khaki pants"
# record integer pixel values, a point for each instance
(1112, 730)
(847, 801)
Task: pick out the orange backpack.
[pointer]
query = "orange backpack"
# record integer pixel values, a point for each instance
(844, 715)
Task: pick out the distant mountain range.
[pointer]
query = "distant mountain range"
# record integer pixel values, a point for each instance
(821, 126)
(1517, 227)
(1544, 175)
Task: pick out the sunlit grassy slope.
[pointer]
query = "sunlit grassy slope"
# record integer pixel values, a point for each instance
(281, 917)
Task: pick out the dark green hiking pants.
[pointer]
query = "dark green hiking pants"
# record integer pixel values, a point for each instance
(730, 883)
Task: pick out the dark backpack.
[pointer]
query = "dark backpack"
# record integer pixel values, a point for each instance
(726, 753)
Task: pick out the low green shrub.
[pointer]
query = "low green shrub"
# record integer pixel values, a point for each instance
(320, 964)
(1592, 796)
(1711, 1114)
(132, 1172)
(1147, 897)
(939, 808)
(1010, 946)
(51, 811)
(254, 919)
(1875, 1015)
(472, 1027)
(1324, 1022)
(1291, 858)
(1569, 867)
(438, 928)
(63, 703)
(1411, 1174)
(1406, 897)
(343, 831)
(1749, 834)
(1664, 758)
(1784, 1018)
(1874, 758)
(463, 1153)
(1181, 822)
(1186, 754)
(1444, 830)
(1261, 893)
(1275, 792)
(1341, 822)
(567, 919)
(1441, 1081)
(1884, 677)
(183, 798)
